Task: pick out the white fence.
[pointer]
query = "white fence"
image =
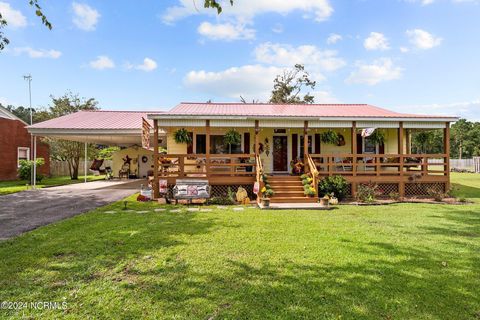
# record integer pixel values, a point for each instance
(462, 164)
(60, 168)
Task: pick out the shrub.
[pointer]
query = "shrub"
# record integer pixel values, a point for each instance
(220, 201)
(305, 181)
(335, 184)
(436, 194)
(268, 193)
(304, 176)
(394, 196)
(367, 192)
(26, 167)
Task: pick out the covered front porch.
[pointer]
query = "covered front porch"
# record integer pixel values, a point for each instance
(274, 147)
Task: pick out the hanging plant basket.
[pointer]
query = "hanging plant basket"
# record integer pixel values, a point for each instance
(182, 136)
(377, 137)
(232, 137)
(329, 137)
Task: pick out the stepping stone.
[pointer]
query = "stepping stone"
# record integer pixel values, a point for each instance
(110, 211)
(193, 209)
(176, 210)
(206, 210)
(128, 210)
(238, 209)
(160, 209)
(143, 211)
(221, 207)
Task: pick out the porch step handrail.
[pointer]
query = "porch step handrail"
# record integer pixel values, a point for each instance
(313, 171)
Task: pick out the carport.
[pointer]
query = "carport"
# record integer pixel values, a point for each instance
(112, 128)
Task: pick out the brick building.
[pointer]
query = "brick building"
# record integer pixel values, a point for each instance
(15, 146)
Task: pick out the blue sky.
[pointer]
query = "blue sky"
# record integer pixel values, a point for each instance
(408, 55)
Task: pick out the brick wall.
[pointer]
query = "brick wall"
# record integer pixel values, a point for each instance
(13, 135)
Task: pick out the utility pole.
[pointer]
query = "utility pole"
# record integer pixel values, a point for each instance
(28, 78)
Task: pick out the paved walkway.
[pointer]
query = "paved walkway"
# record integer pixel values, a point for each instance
(28, 210)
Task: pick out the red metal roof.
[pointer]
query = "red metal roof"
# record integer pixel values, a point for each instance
(289, 110)
(108, 120)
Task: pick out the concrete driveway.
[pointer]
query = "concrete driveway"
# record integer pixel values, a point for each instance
(27, 210)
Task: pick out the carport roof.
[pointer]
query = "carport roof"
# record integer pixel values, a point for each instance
(102, 127)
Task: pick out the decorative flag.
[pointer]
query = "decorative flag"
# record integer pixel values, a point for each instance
(256, 188)
(367, 132)
(162, 186)
(146, 128)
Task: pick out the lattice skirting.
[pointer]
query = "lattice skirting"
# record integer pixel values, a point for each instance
(421, 189)
(387, 188)
(221, 190)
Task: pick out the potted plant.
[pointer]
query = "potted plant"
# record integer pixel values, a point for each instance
(267, 193)
(310, 191)
(297, 166)
(182, 136)
(232, 137)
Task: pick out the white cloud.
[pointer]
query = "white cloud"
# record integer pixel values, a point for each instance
(427, 2)
(102, 62)
(310, 55)
(38, 53)
(250, 81)
(226, 31)
(324, 96)
(371, 74)
(469, 110)
(422, 39)
(15, 18)
(147, 65)
(404, 49)
(319, 10)
(4, 101)
(334, 38)
(376, 41)
(85, 17)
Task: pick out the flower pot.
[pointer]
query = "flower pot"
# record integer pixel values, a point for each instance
(333, 201)
(266, 202)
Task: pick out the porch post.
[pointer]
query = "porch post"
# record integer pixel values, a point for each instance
(257, 143)
(156, 191)
(207, 146)
(446, 150)
(401, 185)
(407, 138)
(34, 161)
(354, 155)
(305, 141)
(85, 163)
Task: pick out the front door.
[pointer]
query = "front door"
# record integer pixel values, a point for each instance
(280, 153)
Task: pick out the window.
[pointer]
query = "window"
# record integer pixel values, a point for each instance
(369, 146)
(217, 146)
(22, 154)
(310, 144)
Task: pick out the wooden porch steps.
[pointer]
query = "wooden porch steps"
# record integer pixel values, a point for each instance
(288, 189)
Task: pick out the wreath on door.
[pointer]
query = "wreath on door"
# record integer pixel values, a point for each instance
(144, 159)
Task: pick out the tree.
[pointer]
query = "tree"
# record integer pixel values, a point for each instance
(63, 150)
(462, 140)
(38, 11)
(288, 87)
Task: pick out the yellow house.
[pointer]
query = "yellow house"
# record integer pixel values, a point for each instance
(363, 143)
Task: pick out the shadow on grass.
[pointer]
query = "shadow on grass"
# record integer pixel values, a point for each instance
(467, 192)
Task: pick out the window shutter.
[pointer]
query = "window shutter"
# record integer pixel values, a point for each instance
(294, 146)
(246, 142)
(317, 144)
(190, 145)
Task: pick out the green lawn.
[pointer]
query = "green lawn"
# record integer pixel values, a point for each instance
(7, 187)
(408, 261)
